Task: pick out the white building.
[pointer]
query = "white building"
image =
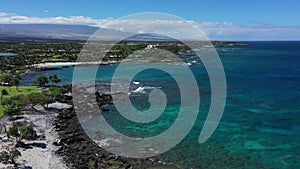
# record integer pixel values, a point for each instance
(151, 46)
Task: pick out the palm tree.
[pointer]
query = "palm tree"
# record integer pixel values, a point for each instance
(41, 80)
(54, 79)
(7, 79)
(16, 81)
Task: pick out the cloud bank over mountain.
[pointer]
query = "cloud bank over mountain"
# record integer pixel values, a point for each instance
(213, 30)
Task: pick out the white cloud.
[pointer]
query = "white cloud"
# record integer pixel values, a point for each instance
(231, 31)
(174, 28)
(214, 30)
(11, 18)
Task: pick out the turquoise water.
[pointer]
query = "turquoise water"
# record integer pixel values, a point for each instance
(260, 127)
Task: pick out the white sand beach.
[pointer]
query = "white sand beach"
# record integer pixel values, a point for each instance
(72, 63)
(37, 157)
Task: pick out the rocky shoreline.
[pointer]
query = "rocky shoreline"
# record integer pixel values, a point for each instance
(79, 151)
(62, 143)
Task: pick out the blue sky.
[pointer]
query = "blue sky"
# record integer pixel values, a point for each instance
(252, 14)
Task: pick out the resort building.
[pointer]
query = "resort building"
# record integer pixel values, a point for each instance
(151, 46)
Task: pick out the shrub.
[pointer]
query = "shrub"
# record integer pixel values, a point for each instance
(12, 111)
(13, 131)
(28, 133)
(3, 93)
(9, 157)
(11, 107)
(4, 157)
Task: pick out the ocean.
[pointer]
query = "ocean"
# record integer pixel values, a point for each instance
(260, 126)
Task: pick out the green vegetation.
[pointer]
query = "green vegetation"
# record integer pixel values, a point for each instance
(24, 132)
(41, 81)
(122, 50)
(27, 133)
(11, 107)
(7, 78)
(13, 132)
(54, 79)
(13, 93)
(10, 79)
(30, 53)
(24, 90)
(15, 81)
(9, 157)
(28, 95)
(4, 92)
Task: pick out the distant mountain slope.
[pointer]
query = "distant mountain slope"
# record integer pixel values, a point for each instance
(36, 29)
(13, 32)
(44, 32)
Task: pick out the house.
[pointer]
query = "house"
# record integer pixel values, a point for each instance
(7, 56)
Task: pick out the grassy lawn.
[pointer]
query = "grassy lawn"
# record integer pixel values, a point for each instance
(25, 90)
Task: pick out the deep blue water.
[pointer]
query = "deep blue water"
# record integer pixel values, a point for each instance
(260, 127)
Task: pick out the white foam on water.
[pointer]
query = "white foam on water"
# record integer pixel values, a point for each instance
(143, 90)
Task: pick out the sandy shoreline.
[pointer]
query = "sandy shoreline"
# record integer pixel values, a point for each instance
(40, 65)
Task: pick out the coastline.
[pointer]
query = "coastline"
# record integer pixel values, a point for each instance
(41, 65)
(79, 151)
(63, 144)
(49, 64)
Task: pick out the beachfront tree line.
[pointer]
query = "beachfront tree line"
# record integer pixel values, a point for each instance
(31, 53)
(9, 79)
(12, 105)
(43, 80)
